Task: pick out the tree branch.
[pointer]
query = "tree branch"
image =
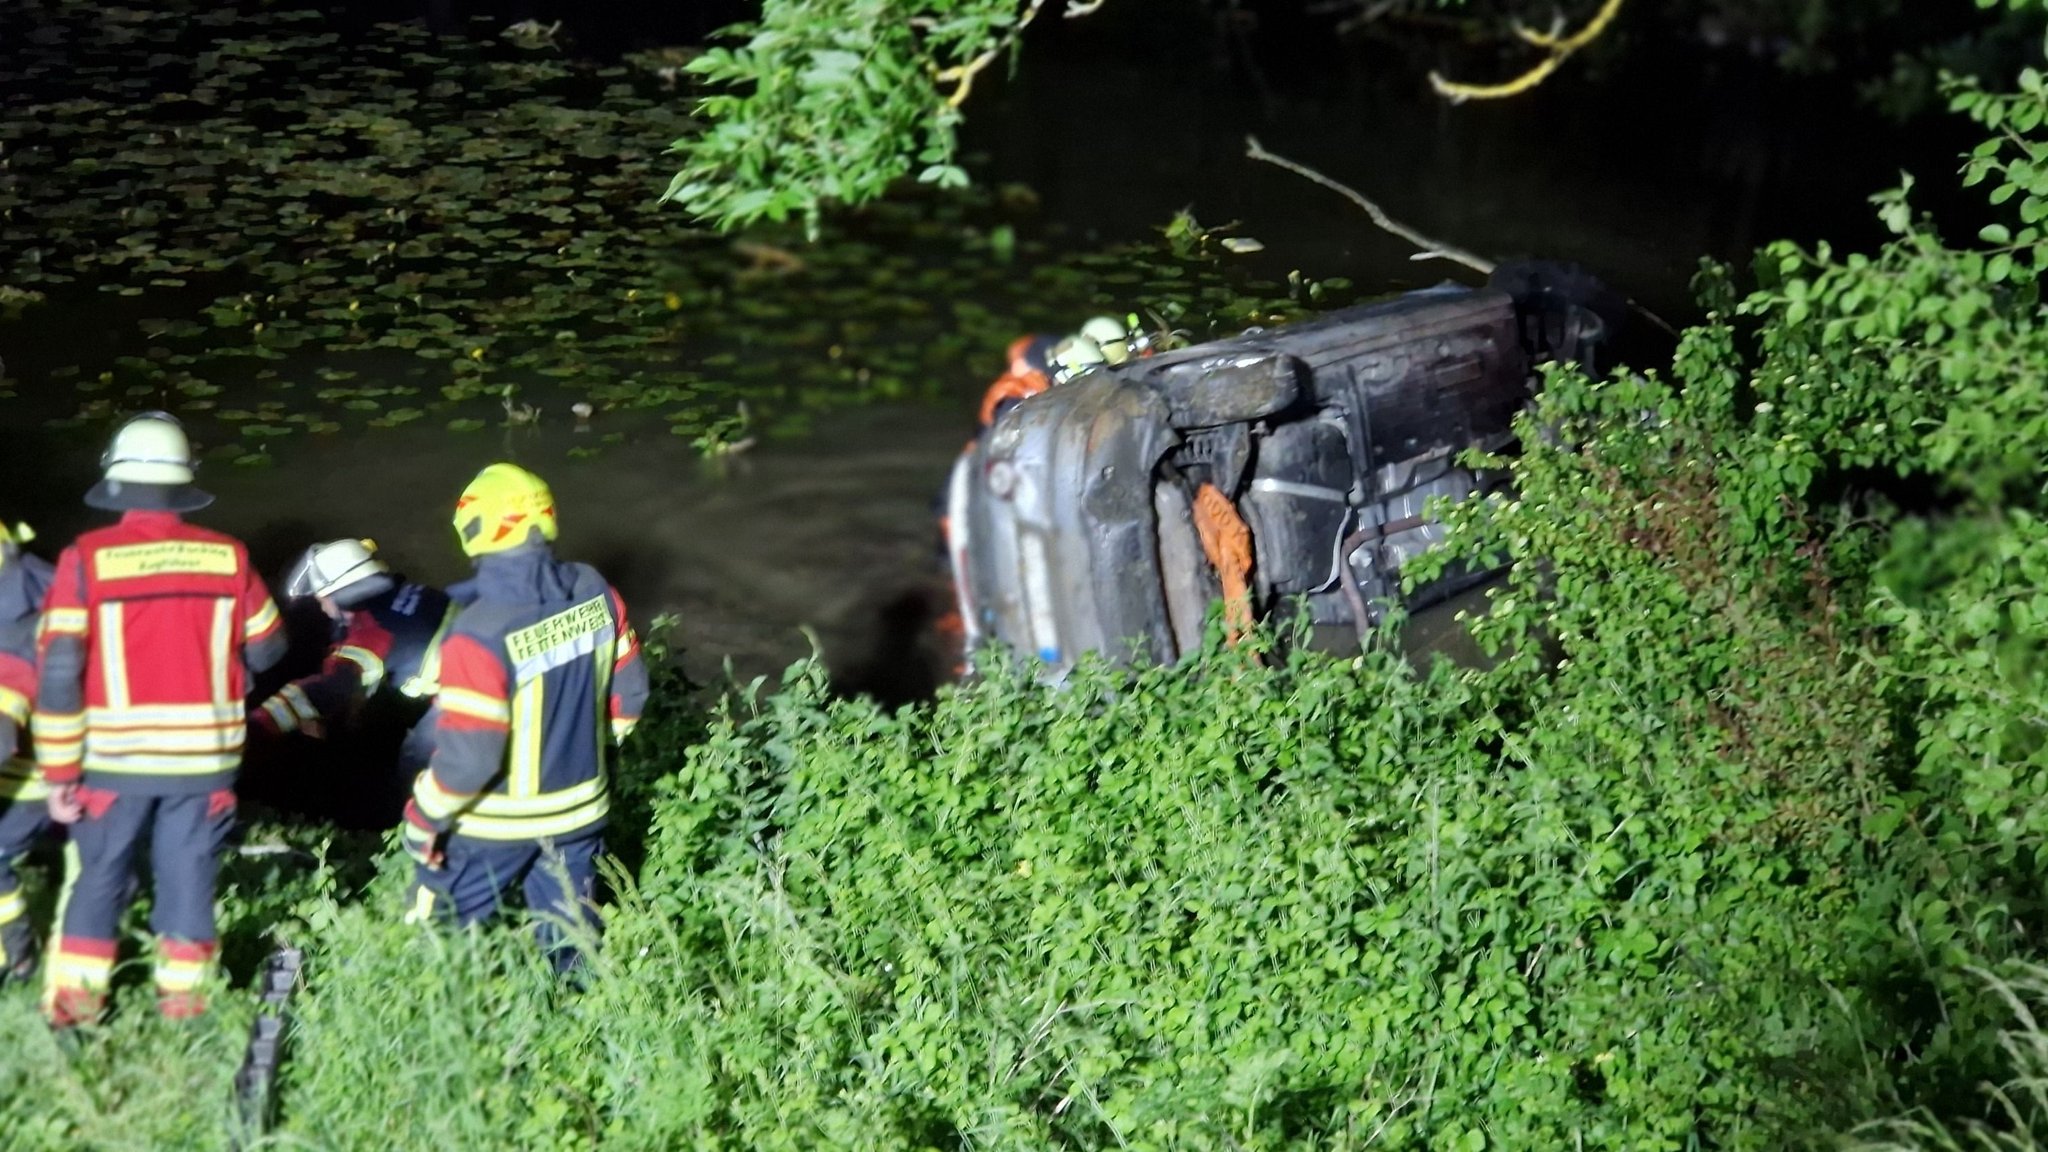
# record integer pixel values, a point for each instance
(963, 74)
(1368, 13)
(1568, 44)
(1560, 48)
(1430, 248)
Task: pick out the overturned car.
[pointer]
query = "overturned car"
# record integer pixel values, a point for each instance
(1285, 469)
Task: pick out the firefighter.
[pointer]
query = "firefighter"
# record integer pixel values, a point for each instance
(24, 813)
(388, 633)
(1028, 374)
(1120, 341)
(540, 674)
(1075, 355)
(149, 633)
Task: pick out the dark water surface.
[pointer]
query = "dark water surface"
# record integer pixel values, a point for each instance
(1116, 122)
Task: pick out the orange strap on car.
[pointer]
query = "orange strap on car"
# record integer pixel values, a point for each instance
(1228, 544)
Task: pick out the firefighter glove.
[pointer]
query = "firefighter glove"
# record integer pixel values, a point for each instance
(64, 805)
(422, 840)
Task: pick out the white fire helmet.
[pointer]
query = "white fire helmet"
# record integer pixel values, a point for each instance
(1120, 340)
(1075, 355)
(339, 569)
(148, 465)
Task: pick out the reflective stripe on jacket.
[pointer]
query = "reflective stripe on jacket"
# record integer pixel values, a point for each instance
(142, 651)
(24, 581)
(540, 675)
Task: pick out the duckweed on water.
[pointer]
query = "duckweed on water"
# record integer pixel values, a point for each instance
(225, 205)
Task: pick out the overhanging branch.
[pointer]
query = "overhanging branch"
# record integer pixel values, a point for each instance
(1559, 46)
(1431, 249)
(962, 75)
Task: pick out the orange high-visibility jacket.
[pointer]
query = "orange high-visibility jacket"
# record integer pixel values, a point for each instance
(1011, 386)
(145, 636)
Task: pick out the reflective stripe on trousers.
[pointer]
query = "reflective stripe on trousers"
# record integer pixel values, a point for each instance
(186, 834)
(559, 879)
(21, 821)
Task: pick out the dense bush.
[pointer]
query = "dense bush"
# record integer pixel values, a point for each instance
(1713, 857)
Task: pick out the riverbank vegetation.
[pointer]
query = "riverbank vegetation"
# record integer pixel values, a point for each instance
(1737, 846)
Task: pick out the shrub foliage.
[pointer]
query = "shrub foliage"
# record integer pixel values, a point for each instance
(1712, 857)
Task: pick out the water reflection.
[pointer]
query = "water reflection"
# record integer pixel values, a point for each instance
(1116, 122)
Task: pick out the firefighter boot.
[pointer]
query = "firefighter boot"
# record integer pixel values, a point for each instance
(181, 967)
(72, 1005)
(18, 948)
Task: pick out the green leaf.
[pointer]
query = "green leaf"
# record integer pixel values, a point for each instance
(944, 175)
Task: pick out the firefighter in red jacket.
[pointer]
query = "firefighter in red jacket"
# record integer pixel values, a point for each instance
(540, 675)
(24, 814)
(387, 646)
(148, 635)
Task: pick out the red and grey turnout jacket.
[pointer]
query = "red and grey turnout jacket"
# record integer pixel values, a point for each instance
(23, 581)
(148, 635)
(540, 675)
(392, 642)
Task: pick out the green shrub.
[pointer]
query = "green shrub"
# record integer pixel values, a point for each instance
(137, 1083)
(2017, 1117)
(1707, 860)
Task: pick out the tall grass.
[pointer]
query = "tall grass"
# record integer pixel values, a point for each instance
(1300, 905)
(2016, 1119)
(140, 1083)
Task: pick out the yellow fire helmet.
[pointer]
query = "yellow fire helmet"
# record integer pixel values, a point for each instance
(502, 508)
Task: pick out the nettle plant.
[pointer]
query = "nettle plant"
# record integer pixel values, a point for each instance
(1928, 360)
(1811, 563)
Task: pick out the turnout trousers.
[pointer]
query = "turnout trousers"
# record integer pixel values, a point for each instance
(186, 835)
(559, 877)
(22, 819)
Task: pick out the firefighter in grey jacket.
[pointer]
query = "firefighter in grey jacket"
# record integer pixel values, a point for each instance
(23, 813)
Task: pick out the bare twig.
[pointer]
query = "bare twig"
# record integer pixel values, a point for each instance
(1662, 324)
(1427, 249)
(963, 74)
(1431, 249)
(1555, 40)
(1083, 8)
(1559, 46)
(1458, 93)
(1369, 14)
